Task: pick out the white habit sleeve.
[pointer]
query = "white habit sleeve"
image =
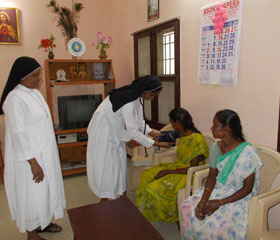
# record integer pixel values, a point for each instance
(15, 112)
(130, 118)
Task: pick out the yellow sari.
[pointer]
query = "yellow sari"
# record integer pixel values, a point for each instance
(157, 198)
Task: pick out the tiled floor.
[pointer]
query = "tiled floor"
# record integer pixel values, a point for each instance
(77, 194)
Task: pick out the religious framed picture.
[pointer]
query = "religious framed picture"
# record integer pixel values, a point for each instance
(9, 26)
(153, 9)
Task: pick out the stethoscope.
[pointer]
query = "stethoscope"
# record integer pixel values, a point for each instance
(142, 103)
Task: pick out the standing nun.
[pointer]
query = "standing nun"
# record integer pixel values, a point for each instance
(33, 179)
(119, 119)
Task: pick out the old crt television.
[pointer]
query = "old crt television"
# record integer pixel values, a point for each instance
(76, 111)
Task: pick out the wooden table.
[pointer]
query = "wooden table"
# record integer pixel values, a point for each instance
(117, 219)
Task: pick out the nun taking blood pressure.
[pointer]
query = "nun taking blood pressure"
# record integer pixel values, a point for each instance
(118, 120)
(32, 173)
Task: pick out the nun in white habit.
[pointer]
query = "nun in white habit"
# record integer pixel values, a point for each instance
(32, 175)
(117, 120)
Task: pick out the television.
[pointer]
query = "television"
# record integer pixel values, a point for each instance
(76, 111)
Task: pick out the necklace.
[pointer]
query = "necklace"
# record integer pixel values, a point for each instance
(39, 101)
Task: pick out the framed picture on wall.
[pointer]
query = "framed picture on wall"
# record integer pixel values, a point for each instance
(9, 26)
(153, 9)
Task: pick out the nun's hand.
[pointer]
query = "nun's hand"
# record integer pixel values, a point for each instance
(37, 171)
(132, 144)
(155, 134)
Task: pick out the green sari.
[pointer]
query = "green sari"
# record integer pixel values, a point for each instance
(157, 198)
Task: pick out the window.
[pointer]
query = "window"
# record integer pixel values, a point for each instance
(168, 48)
(157, 52)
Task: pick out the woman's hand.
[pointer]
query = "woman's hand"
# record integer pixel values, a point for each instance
(211, 206)
(37, 171)
(161, 174)
(163, 144)
(199, 210)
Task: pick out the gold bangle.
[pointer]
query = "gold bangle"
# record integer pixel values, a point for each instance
(207, 189)
(221, 202)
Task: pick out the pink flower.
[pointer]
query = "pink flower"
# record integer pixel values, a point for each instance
(95, 42)
(99, 35)
(102, 43)
(110, 41)
(219, 6)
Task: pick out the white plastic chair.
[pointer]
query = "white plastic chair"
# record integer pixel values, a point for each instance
(186, 192)
(259, 206)
(139, 162)
(169, 155)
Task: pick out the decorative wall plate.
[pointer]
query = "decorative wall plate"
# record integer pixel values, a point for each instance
(76, 47)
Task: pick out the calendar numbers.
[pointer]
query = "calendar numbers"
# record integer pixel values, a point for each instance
(220, 49)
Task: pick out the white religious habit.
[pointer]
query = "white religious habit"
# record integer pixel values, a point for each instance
(30, 134)
(106, 153)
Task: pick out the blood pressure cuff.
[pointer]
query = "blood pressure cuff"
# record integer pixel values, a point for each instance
(169, 136)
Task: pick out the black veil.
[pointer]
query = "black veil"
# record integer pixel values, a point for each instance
(22, 67)
(129, 93)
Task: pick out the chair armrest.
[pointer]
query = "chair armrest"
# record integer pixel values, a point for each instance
(271, 235)
(257, 218)
(184, 193)
(164, 153)
(139, 160)
(180, 199)
(190, 173)
(198, 178)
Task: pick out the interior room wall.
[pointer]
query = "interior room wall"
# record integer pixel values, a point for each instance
(36, 22)
(256, 98)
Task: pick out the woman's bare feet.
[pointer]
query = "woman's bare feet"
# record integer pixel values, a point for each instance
(33, 235)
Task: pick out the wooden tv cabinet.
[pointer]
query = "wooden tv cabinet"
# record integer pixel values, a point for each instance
(80, 76)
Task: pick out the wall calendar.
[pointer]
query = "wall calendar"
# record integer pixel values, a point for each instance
(220, 42)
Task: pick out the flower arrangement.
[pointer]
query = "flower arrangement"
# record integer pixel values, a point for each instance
(67, 18)
(48, 44)
(102, 43)
(219, 19)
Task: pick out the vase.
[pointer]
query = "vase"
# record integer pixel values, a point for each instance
(50, 55)
(103, 56)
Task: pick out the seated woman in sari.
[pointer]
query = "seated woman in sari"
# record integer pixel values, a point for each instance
(220, 209)
(159, 185)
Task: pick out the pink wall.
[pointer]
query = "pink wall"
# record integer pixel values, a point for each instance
(37, 22)
(256, 98)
